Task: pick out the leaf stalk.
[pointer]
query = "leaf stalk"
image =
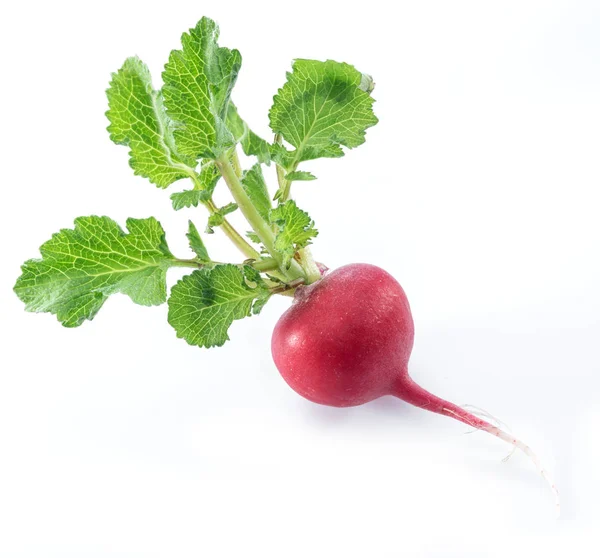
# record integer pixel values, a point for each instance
(258, 224)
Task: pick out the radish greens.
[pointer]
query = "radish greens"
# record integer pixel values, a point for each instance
(190, 129)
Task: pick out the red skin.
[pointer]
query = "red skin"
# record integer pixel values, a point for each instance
(347, 339)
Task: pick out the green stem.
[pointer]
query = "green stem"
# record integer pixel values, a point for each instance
(284, 185)
(260, 226)
(290, 287)
(235, 162)
(284, 289)
(308, 264)
(238, 240)
(266, 264)
(273, 286)
(311, 271)
(186, 263)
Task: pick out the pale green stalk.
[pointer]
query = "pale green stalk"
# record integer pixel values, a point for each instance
(260, 226)
(238, 240)
(235, 161)
(309, 266)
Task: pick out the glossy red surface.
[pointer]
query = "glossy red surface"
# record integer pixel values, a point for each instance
(345, 339)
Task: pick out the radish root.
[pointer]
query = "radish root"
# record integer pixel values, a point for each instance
(517, 444)
(411, 392)
(479, 412)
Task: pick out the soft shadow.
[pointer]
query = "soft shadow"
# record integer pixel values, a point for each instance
(322, 415)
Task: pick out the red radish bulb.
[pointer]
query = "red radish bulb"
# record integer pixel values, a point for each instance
(346, 340)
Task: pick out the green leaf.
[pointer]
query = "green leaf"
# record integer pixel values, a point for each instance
(282, 156)
(216, 219)
(288, 159)
(254, 184)
(81, 267)
(252, 276)
(197, 85)
(322, 107)
(205, 183)
(196, 243)
(295, 229)
(203, 305)
(188, 198)
(138, 120)
(251, 143)
(253, 237)
(300, 175)
(259, 305)
(227, 209)
(208, 176)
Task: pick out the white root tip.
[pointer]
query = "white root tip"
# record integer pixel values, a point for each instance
(503, 435)
(517, 444)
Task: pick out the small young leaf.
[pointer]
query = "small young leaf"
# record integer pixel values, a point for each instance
(259, 304)
(196, 243)
(321, 107)
(296, 229)
(254, 184)
(197, 85)
(252, 276)
(138, 119)
(81, 267)
(227, 209)
(203, 305)
(188, 198)
(216, 219)
(253, 237)
(251, 143)
(300, 175)
(205, 183)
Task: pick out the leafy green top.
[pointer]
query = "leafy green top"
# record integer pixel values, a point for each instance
(191, 129)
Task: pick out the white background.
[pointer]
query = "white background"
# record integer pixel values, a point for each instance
(478, 190)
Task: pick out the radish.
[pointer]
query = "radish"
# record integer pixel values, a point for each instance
(348, 335)
(333, 351)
